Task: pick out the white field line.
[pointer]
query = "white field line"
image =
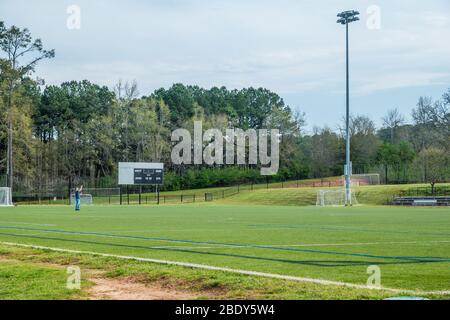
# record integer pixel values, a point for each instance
(359, 243)
(31, 224)
(238, 271)
(301, 245)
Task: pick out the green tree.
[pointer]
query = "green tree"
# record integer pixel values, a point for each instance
(180, 101)
(387, 156)
(325, 157)
(18, 44)
(364, 143)
(437, 165)
(406, 156)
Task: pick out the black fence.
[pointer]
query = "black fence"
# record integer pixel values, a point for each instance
(437, 191)
(40, 198)
(149, 195)
(128, 196)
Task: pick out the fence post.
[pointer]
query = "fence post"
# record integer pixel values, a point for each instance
(120, 195)
(181, 198)
(194, 197)
(140, 193)
(223, 194)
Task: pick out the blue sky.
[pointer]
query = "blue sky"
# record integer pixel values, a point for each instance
(292, 47)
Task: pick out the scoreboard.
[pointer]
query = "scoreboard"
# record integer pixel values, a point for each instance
(141, 173)
(148, 176)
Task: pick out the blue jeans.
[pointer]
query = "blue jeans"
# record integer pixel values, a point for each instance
(77, 204)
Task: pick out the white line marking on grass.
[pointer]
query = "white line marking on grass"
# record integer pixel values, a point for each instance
(31, 224)
(195, 247)
(299, 245)
(30, 234)
(356, 243)
(223, 269)
(151, 231)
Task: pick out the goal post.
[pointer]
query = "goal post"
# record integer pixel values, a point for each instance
(98, 195)
(5, 197)
(333, 198)
(85, 199)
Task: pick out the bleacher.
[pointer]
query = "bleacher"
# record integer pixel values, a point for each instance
(422, 201)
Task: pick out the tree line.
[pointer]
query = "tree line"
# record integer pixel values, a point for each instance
(55, 136)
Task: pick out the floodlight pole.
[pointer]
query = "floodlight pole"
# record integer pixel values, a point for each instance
(348, 196)
(347, 17)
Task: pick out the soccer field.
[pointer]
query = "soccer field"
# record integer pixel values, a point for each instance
(410, 245)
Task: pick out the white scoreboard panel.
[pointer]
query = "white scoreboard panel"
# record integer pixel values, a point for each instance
(141, 173)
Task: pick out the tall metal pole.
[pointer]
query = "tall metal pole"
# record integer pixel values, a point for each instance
(348, 196)
(347, 17)
(9, 157)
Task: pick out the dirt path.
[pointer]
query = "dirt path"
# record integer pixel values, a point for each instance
(127, 289)
(103, 288)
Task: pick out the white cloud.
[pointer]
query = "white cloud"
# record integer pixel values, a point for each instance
(290, 46)
(402, 80)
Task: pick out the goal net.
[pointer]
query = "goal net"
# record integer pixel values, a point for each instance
(101, 192)
(333, 198)
(85, 199)
(358, 180)
(5, 197)
(99, 195)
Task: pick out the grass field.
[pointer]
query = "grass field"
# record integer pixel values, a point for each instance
(410, 245)
(19, 280)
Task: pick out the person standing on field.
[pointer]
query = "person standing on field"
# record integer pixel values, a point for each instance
(78, 198)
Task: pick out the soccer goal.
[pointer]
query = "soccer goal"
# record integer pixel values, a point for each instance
(99, 195)
(333, 198)
(368, 179)
(5, 197)
(102, 192)
(85, 199)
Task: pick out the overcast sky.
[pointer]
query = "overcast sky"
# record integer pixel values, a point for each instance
(292, 47)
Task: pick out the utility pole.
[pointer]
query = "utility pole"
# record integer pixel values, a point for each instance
(345, 18)
(9, 152)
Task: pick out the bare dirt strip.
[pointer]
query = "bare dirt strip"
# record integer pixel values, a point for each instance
(128, 289)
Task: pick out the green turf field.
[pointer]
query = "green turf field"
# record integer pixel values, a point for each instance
(410, 245)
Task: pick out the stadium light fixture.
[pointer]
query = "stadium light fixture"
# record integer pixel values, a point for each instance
(345, 18)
